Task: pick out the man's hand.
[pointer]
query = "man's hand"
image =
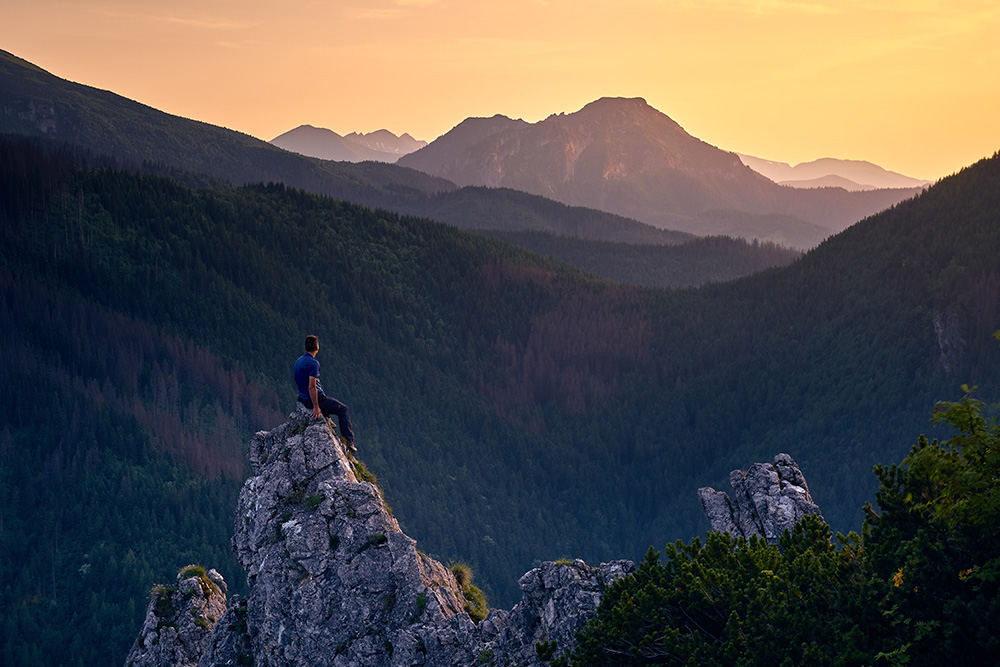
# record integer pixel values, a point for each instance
(314, 397)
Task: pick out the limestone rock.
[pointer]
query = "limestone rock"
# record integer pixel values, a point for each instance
(768, 499)
(333, 579)
(557, 600)
(335, 582)
(180, 619)
(230, 642)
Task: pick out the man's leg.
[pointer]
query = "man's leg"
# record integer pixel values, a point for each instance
(331, 406)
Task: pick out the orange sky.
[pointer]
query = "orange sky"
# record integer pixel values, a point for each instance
(912, 85)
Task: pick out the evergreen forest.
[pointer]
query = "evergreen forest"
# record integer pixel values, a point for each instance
(514, 408)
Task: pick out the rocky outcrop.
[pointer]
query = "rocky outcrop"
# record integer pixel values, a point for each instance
(557, 600)
(768, 499)
(334, 581)
(180, 619)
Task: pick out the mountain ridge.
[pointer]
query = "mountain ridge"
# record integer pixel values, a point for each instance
(325, 144)
(622, 155)
(832, 172)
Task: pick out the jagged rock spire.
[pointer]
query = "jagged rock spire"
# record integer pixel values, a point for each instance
(768, 499)
(335, 582)
(333, 579)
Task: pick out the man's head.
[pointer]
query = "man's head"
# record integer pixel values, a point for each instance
(312, 344)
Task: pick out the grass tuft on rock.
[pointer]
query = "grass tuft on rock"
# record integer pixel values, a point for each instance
(475, 601)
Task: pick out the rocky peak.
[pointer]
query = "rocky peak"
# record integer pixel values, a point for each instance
(334, 581)
(767, 499)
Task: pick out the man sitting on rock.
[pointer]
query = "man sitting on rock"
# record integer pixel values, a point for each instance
(311, 394)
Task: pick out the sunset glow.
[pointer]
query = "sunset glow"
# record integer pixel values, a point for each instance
(911, 85)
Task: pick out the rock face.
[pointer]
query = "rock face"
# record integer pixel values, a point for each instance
(335, 582)
(557, 601)
(767, 499)
(180, 619)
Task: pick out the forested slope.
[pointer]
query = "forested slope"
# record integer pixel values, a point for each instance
(513, 409)
(695, 262)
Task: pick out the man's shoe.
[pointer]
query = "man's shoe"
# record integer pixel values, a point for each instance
(350, 446)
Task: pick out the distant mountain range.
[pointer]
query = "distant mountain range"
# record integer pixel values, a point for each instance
(33, 102)
(624, 156)
(827, 172)
(620, 157)
(379, 146)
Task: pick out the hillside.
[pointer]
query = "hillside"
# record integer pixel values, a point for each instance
(505, 210)
(35, 102)
(623, 156)
(513, 409)
(696, 262)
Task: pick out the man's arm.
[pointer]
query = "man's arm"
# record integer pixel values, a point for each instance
(314, 397)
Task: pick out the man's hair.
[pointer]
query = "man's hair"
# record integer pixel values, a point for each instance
(312, 343)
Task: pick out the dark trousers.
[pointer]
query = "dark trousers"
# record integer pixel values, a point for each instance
(331, 406)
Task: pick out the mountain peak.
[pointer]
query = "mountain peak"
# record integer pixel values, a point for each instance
(619, 154)
(619, 103)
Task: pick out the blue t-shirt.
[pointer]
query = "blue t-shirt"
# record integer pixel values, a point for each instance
(306, 367)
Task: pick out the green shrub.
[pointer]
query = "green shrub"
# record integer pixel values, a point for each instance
(361, 472)
(545, 650)
(314, 501)
(163, 605)
(193, 571)
(475, 603)
(462, 572)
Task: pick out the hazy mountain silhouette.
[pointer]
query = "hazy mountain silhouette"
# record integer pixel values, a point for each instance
(831, 172)
(624, 156)
(34, 102)
(385, 141)
(380, 146)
